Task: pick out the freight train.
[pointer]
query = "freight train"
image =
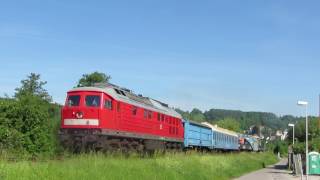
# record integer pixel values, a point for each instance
(107, 117)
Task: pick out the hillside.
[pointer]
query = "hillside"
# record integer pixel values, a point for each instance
(240, 118)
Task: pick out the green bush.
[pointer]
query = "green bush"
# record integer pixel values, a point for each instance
(29, 121)
(277, 146)
(25, 125)
(300, 147)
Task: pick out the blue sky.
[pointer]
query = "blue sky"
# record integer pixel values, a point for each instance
(246, 55)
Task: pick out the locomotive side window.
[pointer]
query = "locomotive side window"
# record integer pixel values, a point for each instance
(118, 107)
(134, 110)
(108, 104)
(159, 116)
(92, 101)
(145, 114)
(73, 100)
(149, 114)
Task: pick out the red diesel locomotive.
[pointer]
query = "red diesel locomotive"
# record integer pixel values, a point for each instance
(108, 117)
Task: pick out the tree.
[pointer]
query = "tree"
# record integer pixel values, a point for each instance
(33, 86)
(197, 115)
(300, 129)
(230, 124)
(25, 122)
(24, 125)
(184, 114)
(91, 79)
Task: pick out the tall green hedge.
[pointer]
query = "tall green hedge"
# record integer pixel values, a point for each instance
(314, 145)
(26, 125)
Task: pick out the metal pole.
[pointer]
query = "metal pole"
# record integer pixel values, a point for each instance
(301, 168)
(307, 160)
(293, 136)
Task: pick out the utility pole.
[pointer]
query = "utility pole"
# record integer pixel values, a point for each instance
(305, 104)
(319, 115)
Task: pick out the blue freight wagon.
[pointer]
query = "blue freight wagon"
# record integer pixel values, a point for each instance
(197, 135)
(223, 139)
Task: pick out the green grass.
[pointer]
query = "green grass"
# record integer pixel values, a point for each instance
(170, 166)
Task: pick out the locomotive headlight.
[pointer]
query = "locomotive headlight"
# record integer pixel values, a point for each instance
(79, 115)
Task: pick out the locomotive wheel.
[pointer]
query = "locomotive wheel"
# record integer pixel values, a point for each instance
(77, 147)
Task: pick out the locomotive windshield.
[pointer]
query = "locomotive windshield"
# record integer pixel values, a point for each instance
(92, 101)
(74, 100)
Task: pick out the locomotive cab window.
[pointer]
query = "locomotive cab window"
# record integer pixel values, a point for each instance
(108, 104)
(73, 100)
(92, 101)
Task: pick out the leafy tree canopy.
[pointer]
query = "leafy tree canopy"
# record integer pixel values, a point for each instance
(92, 78)
(230, 124)
(33, 86)
(300, 129)
(197, 115)
(28, 122)
(269, 121)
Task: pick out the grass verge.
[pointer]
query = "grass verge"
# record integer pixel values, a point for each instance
(171, 166)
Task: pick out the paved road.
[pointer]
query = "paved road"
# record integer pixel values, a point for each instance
(274, 172)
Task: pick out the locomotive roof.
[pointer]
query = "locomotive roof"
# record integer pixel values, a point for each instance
(125, 95)
(219, 129)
